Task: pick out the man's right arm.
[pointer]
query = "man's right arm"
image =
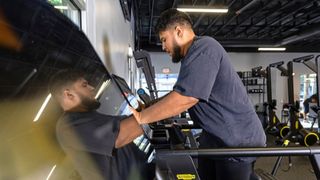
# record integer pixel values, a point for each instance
(129, 130)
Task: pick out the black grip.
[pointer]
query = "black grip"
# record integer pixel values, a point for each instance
(276, 64)
(303, 58)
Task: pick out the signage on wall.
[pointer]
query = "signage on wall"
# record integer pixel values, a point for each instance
(166, 70)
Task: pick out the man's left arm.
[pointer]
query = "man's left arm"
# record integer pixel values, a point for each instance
(171, 105)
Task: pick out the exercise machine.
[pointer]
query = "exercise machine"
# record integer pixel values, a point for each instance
(275, 127)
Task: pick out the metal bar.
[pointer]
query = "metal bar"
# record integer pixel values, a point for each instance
(290, 83)
(243, 152)
(276, 166)
(318, 79)
(269, 93)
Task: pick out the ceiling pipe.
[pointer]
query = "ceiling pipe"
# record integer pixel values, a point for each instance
(310, 32)
(315, 30)
(283, 17)
(263, 18)
(248, 6)
(316, 18)
(196, 24)
(248, 18)
(174, 4)
(151, 20)
(212, 23)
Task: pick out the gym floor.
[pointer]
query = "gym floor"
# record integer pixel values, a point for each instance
(301, 167)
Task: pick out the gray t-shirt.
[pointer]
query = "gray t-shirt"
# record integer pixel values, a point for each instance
(88, 139)
(224, 110)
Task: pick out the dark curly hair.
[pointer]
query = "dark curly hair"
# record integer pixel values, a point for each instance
(172, 17)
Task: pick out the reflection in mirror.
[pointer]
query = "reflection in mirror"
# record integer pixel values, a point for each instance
(37, 40)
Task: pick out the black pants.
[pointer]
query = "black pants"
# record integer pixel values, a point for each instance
(210, 169)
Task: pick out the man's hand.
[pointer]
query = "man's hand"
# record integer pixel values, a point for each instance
(171, 105)
(136, 115)
(141, 106)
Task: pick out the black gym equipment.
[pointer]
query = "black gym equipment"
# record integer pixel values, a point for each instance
(297, 133)
(143, 60)
(275, 127)
(261, 109)
(313, 67)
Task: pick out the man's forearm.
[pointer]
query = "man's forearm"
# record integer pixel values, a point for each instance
(169, 106)
(129, 130)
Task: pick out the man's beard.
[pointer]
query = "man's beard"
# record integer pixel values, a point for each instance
(176, 55)
(89, 104)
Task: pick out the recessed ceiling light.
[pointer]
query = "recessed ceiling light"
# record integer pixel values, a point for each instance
(272, 49)
(202, 9)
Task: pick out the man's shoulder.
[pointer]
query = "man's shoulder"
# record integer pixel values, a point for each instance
(207, 40)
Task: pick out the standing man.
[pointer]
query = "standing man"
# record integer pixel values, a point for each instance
(214, 95)
(99, 146)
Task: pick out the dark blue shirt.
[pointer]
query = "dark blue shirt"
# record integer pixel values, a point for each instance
(224, 110)
(88, 139)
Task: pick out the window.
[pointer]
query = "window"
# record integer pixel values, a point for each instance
(308, 86)
(69, 9)
(164, 83)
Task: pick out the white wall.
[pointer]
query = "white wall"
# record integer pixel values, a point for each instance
(110, 34)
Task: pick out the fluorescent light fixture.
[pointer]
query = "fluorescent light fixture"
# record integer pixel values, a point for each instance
(61, 7)
(203, 10)
(272, 49)
(51, 172)
(44, 104)
(102, 87)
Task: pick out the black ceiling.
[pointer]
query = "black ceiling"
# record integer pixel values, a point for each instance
(294, 24)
